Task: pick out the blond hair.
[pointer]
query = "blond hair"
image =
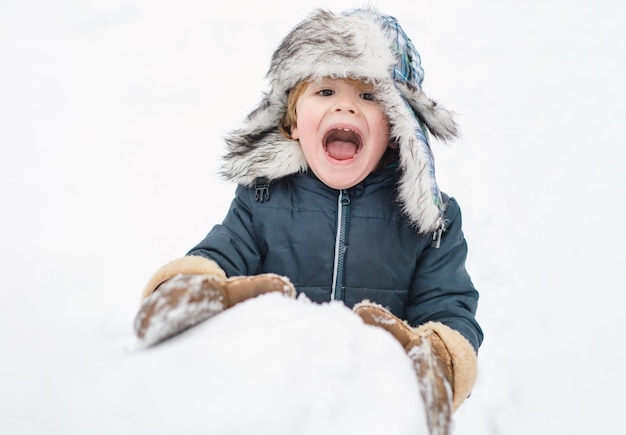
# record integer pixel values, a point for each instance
(290, 119)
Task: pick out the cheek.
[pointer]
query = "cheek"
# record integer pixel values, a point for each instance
(306, 127)
(382, 133)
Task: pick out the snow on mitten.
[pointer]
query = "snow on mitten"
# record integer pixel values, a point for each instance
(191, 264)
(186, 299)
(434, 384)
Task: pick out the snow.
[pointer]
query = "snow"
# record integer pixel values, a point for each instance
(112, 115)
(261, 367)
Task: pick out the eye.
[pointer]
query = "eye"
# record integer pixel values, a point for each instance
(368, 96)
(326, 92)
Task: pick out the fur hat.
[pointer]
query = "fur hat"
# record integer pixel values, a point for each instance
(360, 44)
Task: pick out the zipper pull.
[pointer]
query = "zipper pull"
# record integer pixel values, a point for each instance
(261, 189)
(345, 197)
(437, 238)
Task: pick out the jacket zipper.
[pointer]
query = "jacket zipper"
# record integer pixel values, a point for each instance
(343, 216)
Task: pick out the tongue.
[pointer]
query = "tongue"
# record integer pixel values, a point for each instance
(340, 150)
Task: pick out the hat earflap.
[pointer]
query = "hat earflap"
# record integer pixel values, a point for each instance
(439, 120)
(418, 192)
(258, 149)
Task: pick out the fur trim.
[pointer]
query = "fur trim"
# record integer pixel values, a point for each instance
(360, 44)
(439, 120)
(464, 362)
(189, 264)
(271, 156)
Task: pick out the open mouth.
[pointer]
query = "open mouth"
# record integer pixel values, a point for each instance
(342, 143)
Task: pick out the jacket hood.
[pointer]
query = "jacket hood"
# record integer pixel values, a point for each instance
(359, 44)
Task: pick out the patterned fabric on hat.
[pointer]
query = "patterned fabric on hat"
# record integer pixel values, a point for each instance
(408, 68)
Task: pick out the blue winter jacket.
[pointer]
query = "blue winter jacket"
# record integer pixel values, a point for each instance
(349, 245)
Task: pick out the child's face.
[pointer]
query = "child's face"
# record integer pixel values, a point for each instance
(342, 130)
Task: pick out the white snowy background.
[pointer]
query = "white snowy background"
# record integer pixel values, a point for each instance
(112, 114)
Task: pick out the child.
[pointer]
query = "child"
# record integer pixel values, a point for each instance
(337, 199)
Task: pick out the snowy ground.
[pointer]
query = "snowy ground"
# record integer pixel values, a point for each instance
(112, 114)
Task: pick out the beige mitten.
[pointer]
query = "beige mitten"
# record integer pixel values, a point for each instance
(444, 362)
(172, 304)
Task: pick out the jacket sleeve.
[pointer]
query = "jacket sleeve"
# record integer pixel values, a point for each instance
(442, 290)
(232, 244)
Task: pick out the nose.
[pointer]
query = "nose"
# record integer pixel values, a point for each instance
(345, 103)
